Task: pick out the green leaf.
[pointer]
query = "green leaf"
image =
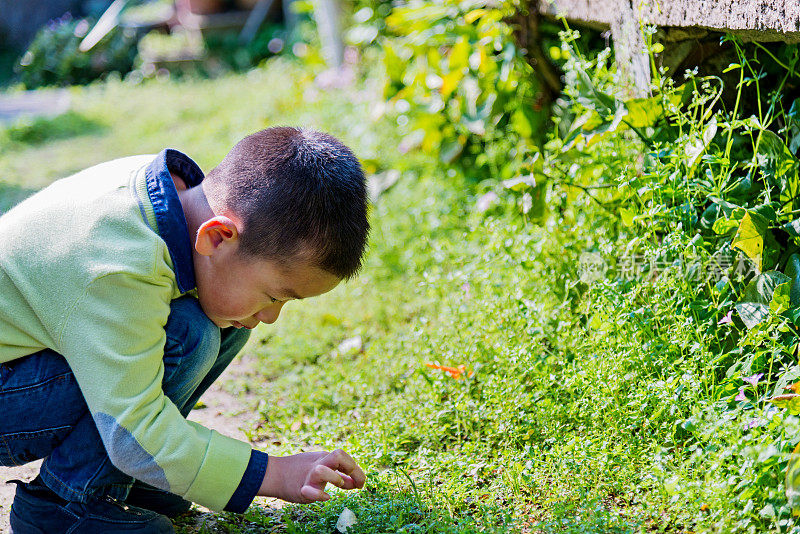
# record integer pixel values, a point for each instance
(459, 55)
(644, 112)
(744, 188)
(793, 272)
(627, 217)
(789, 189)
(754, 305)
(767, 211)
(474, 15)
(590, 121)
(538, 209)
(603, 102)
(593, 127)
(404, 20)
(520, 183)
(526, 121)
(793, 481)
(780, 159)
(762, 287)
(732, 66)
(750, 237)
(394, 64)
(606, 127)
(450, 150)
(709, 217)
(781, 299)
(728, 208)
(752, 313)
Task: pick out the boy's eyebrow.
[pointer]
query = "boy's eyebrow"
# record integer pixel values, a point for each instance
(291, 294)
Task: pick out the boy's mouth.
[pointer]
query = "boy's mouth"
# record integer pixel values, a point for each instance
(237, 324)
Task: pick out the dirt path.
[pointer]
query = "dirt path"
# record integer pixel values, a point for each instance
(47, 103)
(225, 412)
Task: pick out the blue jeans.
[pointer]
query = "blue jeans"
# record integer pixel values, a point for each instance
(44, 414)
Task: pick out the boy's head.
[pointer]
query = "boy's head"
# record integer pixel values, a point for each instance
(297, 201)
(299, 194)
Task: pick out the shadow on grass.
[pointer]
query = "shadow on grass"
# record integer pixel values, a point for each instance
(378, 508)
(35, 131)
(11, 195)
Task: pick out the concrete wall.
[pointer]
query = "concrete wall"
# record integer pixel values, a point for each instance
(682, 25)
(758, 20)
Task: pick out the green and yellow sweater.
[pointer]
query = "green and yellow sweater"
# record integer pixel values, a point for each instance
(88, 268)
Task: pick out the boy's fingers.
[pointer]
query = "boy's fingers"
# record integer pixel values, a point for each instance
(348, 481)
(341, 461)
(359, 478)
(324, 474)
(312, 494)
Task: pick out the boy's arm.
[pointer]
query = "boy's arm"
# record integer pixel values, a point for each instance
(114, 340)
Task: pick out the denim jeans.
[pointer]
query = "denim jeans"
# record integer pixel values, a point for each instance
(44, 415)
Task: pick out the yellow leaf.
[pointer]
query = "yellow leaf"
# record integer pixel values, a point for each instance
(790, 401)
(750, 237)
(458, 59)
(450, 83)
(474, 15)
(627, 217)
(485, 65)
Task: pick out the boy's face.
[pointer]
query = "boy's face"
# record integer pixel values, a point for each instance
(240, 291)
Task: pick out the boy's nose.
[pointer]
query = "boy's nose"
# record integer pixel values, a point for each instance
(270, 314)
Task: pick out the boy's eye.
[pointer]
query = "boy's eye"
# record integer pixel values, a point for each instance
(272, 299)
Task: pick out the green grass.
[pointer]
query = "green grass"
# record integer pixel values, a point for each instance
(204, 118)
(581, 409)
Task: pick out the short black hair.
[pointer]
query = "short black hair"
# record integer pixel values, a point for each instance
(299, 193)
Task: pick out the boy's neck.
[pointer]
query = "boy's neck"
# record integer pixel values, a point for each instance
(177, 179)
(195, 206)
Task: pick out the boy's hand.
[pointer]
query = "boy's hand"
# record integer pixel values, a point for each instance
(302, 477)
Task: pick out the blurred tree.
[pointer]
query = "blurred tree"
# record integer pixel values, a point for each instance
(21, 20)
(328, 18)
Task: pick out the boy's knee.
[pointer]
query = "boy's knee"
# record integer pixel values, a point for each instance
(233, 340)
(193, 341)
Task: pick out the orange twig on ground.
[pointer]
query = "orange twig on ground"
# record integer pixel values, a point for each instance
(454, 372)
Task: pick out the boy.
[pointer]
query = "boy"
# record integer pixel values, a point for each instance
(126, 289)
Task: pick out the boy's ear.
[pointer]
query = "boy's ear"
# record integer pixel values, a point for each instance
(214, 233)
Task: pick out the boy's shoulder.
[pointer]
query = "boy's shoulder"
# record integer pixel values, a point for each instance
(81, 190)
(99, 179)
(71, 249)
(94, 220)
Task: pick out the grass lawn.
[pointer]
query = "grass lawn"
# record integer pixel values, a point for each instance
(563, 418)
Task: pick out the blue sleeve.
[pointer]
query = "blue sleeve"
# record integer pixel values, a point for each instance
(251, 482)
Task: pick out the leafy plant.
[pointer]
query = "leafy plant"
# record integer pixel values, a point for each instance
(226, 48)
(460, 87)
(53, 57)
(696, 185)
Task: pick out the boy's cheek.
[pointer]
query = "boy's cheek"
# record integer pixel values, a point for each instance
(211, 313)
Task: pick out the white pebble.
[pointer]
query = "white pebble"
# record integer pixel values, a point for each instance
(346, 520)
